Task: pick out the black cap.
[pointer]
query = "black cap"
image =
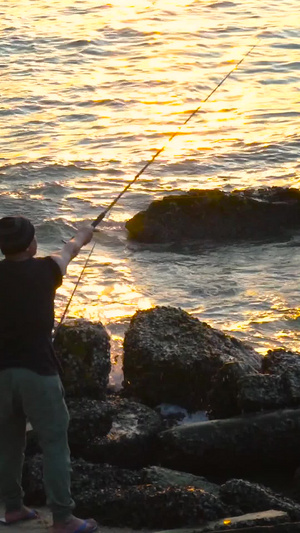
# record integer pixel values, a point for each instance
(16, 234)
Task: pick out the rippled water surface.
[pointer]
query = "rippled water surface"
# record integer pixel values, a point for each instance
(89, 92)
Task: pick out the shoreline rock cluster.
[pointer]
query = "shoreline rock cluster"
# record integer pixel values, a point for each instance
(133, 467)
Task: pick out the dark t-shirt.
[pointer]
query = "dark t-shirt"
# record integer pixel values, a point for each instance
(27, 291)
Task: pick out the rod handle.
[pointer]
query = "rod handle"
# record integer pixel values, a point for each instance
(98, 219)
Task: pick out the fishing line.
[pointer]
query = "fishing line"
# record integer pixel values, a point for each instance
(157, 153)
(73, 292)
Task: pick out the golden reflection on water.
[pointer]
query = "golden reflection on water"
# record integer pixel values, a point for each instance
(110, 303)
(81, 56)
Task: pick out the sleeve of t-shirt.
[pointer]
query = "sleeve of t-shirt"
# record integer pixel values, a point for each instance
(56, 272)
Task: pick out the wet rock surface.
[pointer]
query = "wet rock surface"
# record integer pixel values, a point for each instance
(169, 356)
(234, 446)
(131, 437)
(83, 348)
(218, 215)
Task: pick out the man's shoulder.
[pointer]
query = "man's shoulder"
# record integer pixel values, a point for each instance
(41, 259)
(47, 259)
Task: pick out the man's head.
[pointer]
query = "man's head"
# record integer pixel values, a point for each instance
(17, 236)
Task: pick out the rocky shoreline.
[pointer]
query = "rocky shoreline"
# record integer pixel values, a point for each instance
(135, 467)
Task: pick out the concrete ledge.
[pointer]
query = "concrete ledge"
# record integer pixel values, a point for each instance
(42, 525)
(265, 521)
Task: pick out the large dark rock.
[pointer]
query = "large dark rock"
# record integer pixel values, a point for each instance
(171, 357)
(158, 498)
(83, 349)
(148, 506)
(118, 497)
(217, 215)
(235, 446)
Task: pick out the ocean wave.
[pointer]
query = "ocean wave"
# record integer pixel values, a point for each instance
(43, 168)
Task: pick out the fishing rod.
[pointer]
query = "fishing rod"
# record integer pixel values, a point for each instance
(101, 216)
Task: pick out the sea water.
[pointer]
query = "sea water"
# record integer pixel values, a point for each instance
(91, 90)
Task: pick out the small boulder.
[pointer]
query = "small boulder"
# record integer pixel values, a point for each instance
(261, 392)
(89, 419)
(130, 440)
(238, 389)
(287, 365)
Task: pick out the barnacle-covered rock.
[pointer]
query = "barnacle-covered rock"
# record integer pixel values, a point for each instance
(165, 477)
(238, 389)
(116, 431)
(83, 349)
(148, 506)
(89, 419)
(251, 497)
(285, 364)
(84, 476)
(130, 441)
(223, 395)
(262, 392)
(154, 497)
(171, 357)
(118, 497)
(218, 215)
(235, 446)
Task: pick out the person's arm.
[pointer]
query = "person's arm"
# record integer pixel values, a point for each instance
(72, 247)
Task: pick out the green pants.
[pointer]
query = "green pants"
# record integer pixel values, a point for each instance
(39, 399)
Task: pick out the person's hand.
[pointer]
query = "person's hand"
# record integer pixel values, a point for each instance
(85, 234)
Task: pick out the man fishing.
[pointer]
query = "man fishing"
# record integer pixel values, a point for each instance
(30, 387)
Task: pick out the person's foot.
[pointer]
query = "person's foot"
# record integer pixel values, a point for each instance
(22, 514)
(75, 525)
